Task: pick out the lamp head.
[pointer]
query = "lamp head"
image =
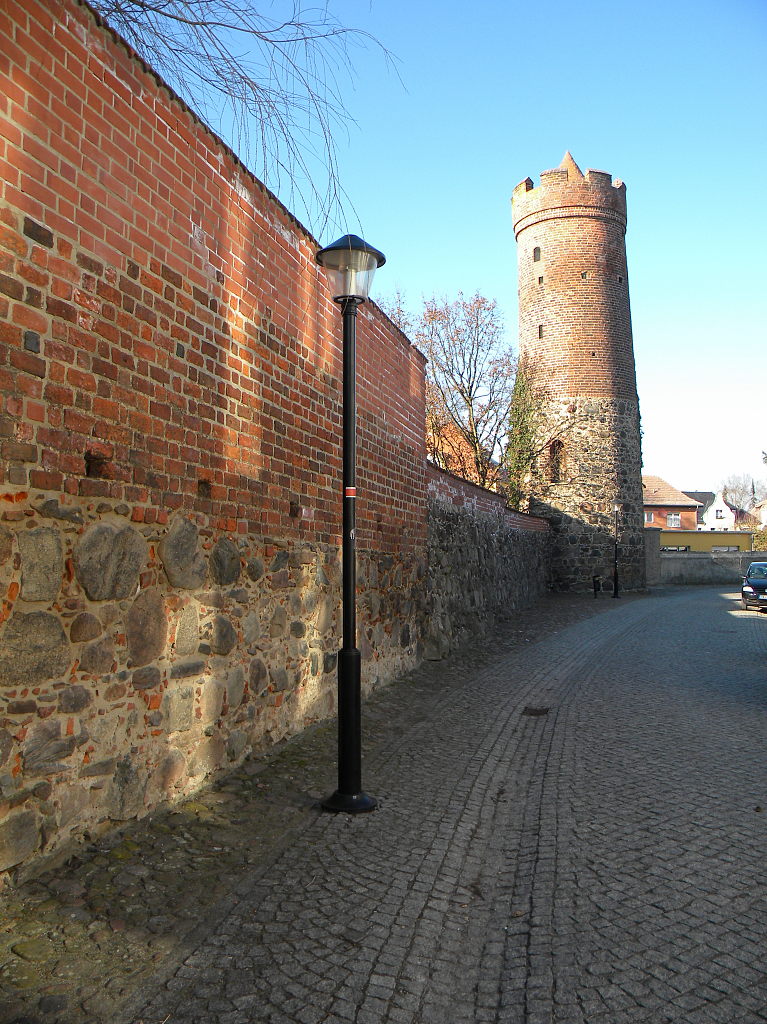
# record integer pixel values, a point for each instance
(350, 263)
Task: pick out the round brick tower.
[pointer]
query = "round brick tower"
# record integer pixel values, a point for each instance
(576, 350)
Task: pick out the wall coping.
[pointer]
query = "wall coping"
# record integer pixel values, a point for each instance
(449, 489)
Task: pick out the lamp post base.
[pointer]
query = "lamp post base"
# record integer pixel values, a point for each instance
(349, 803)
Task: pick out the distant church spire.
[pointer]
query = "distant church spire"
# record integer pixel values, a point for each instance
(569, 165)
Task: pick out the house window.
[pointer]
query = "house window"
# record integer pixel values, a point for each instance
(720, 513)
(648, 517)
(677, 547)
(674, 520)
(536, 254)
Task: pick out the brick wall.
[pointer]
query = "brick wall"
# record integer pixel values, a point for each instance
(170, 468)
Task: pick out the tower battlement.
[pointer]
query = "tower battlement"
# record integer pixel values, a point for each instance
(567, 188)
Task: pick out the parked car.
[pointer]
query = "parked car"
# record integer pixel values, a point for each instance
(753, 593)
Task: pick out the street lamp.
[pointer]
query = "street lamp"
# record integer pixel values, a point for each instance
(350, 264)
(617, 509)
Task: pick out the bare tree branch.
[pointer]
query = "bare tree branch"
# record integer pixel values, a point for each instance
(272, 85)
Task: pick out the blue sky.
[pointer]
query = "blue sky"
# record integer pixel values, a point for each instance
(668, 96)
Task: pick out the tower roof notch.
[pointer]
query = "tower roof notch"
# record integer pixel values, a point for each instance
(569, 165)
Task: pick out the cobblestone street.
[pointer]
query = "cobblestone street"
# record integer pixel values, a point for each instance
(572, 829)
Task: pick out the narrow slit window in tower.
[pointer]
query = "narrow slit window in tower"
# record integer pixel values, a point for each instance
(556, 461)
(540, 280)
(540, 330)
(537, 254)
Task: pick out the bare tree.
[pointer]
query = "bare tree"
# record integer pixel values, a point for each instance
(742, 491)
(469, 382)
(274, 83)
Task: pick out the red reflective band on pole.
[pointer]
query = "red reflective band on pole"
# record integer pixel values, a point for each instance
(350, 492)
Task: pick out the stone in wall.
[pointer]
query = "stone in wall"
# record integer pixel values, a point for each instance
(146, 627)
(258, 676)
(42, 563)
(33, 649)
(85, 626)
(178, 705)
(235, 687)
(125, 797)
(188, 631)
(225, 562)
(185, 565)
(251, 628)
(223, 636)
(6, 544)
(6, 745)
(74, 699)
(45, 749)
(19, 838)
(146, 678)
(97, 658)
(211, 701)
(107, 561)
(209, 755)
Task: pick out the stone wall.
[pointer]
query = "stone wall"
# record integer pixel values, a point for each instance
(137, 659)
(483, 564)
(652, 556)
(703, 567)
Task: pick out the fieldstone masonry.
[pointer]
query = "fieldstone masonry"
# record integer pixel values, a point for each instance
(481, 570)
(168, 652)
(162, 654)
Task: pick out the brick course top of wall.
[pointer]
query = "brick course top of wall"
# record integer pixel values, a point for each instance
(452, 490)
(166, 338)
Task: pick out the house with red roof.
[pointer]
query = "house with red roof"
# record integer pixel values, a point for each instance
(667, 508)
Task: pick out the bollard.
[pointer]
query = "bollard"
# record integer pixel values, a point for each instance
(597, 580)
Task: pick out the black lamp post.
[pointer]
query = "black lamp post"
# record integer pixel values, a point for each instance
(617, 508)
(350, 264)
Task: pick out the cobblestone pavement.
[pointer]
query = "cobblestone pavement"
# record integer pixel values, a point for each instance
(572, 829)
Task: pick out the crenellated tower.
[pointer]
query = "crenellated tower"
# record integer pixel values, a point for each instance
(576, 348)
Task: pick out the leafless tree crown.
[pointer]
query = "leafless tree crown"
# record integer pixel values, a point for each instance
(469, 382)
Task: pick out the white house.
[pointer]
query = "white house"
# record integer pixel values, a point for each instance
(714, 513)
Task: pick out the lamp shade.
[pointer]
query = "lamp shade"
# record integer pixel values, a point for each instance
(350, 264)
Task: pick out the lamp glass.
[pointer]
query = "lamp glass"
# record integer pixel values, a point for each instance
(353, 278)
(350, 264)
